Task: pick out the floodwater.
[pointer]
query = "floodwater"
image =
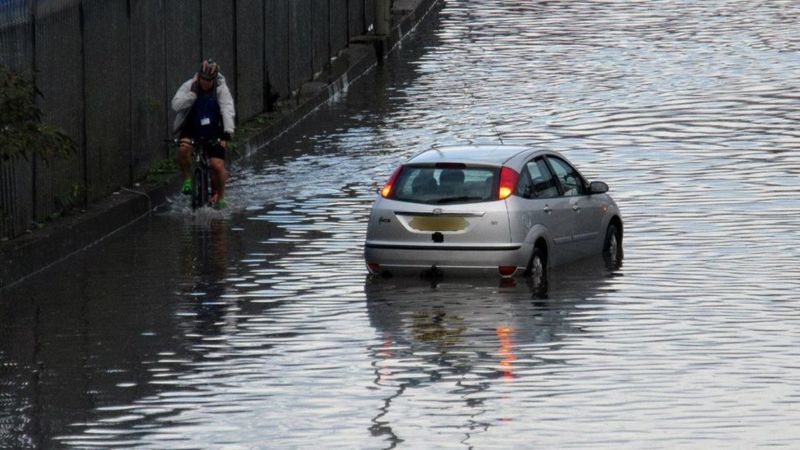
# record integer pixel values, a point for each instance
(260, 329)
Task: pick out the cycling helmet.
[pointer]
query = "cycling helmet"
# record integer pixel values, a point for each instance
(209, 69)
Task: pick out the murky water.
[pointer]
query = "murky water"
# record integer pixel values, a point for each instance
(259, 328)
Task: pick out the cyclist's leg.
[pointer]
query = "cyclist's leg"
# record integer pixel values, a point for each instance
(185, 162)
(185, 157)
(218, 177)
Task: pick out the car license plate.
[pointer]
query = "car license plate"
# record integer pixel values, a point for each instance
(431, 223)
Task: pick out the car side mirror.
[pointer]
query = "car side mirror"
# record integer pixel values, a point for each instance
(598, 187)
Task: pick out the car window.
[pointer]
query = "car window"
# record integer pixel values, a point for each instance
(436, 185)
(570, 179)
(541, 183)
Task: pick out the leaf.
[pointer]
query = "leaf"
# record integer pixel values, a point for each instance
(21, 127)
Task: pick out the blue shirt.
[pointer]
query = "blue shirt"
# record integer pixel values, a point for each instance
(205, 118)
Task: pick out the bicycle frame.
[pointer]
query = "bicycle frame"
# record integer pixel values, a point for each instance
(202, 188)
(201, 175)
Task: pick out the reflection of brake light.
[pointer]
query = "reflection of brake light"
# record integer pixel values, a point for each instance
(508, 182)
(507, 351)
(387, 188)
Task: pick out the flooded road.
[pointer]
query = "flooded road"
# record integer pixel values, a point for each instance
(259, 328)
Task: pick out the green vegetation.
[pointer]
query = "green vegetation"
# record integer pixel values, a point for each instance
(67, 201)
(161, 171)
(21, 129)
(256, 124)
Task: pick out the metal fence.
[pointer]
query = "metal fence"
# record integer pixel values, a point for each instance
(107, 69)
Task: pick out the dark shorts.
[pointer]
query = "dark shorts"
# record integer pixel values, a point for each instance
(213, 152)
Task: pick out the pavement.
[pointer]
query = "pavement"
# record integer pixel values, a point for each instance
(33, 252)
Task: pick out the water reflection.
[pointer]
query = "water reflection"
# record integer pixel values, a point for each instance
(81, 337)
(473, 337)
(204, 259)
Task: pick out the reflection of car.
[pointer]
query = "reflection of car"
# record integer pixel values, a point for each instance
(459, 322)
(507, 209)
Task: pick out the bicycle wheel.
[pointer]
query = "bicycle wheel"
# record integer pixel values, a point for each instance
(198, 189)
(205, 196)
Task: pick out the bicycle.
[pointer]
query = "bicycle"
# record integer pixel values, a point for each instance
(202, 188)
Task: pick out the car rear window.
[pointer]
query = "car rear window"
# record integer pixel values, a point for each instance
(446, 185)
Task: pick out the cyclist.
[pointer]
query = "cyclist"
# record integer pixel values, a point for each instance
(205, 111)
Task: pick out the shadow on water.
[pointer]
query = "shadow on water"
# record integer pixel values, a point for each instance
(473, 335)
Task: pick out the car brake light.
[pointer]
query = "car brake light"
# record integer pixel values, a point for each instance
(387, 188)
(507, 270)
(508, 182)
(373, 267)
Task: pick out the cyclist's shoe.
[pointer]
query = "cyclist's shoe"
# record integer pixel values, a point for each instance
(186, 189)
(220, 204)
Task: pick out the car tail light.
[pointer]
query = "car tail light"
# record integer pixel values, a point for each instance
(387, 188)
(507, 271)
(508, 182)
(373, 267)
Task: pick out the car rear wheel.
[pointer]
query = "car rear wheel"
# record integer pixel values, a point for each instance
(537, 270)
(612, 246)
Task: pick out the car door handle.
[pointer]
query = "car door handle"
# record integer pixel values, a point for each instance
(547, 209)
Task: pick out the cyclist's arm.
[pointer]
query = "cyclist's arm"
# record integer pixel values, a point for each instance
(226, 109)
(184, 98)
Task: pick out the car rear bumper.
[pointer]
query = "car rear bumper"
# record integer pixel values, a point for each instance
(448, 260)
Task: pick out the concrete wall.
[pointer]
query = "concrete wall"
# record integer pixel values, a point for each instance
(107, 70)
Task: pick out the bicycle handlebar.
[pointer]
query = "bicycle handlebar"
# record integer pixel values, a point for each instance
(193, 142)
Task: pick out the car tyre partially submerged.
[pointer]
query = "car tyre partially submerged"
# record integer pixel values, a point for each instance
(489, 210)
(612, 246)
(537, 270)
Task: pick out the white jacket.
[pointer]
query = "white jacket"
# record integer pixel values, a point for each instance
(184, 99)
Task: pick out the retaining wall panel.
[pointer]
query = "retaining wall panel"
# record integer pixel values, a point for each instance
(183, 34)
(355, 9)
(58, 57)
(16, 196)
(219, 37)
(301, 43)
(148, 108)
(16, 45)
(339, 26)
(107, 95)
(250, 58)
(321, 33)
(277, 47)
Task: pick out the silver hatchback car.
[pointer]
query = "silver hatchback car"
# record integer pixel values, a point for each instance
(495, 209)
